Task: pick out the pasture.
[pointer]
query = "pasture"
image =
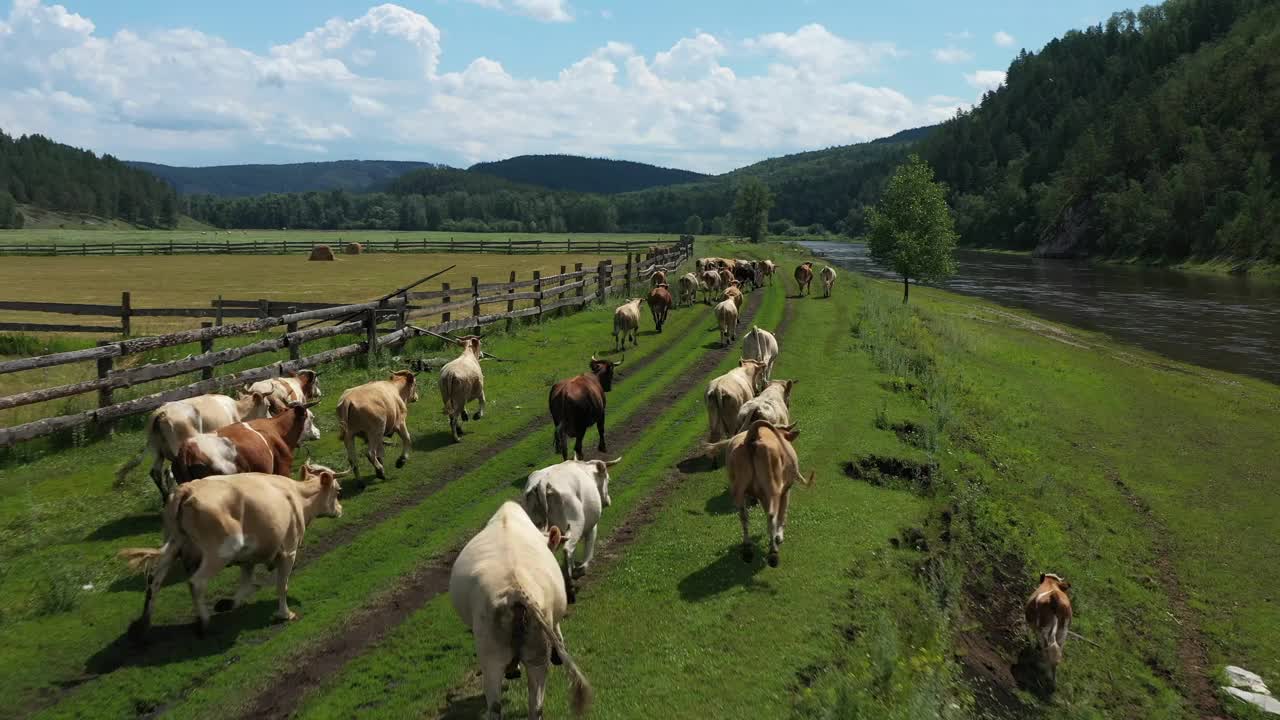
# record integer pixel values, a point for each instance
(74, 235)
(960, 449)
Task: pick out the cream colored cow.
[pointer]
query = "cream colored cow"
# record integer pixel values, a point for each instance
(461, 381)
(728, 393)
(373, 411)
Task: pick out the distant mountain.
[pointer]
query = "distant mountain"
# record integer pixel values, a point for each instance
(245, 180)
(581, 174)
(908, 135)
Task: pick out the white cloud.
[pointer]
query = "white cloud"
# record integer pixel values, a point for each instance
(372, 86)
(543, 10)
(952, 55)
(1003, 39)
(962, 35)
(985, 80)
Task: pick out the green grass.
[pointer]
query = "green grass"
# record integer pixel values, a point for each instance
(1030, 426)
(74, 235)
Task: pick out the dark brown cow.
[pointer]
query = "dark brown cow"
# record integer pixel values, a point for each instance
(745, 274)
(578, 403)
(658, 278)
(263, 446)
(660, 304)
(804, 276)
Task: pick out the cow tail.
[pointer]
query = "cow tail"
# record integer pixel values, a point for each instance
(580, 694)
(144, 560)
(343, 409)
(715, 449)
(136, 460)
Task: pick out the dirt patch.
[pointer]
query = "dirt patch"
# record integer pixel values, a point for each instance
(369, 626)
(892, 472)
(1196, 684)
(909, 433)
(993, 649)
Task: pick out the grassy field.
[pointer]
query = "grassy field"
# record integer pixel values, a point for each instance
(74, 235)
(987, 445)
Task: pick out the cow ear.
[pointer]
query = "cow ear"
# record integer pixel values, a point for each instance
(1042, 576)
(554, 538)
(326, 478)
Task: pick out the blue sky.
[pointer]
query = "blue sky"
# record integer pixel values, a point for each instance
(706, 85)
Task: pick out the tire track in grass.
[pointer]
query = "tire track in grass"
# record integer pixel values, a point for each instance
(370, 626)
(1198, 689)
(130, 653)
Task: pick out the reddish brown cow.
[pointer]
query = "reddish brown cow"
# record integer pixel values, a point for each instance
(263, 446)
(660, 304)
(804, 276)
(578, 403)
(726, 277)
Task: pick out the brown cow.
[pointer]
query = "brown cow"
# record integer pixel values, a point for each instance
(763, 467)
(726, 277)
(804, 276)
(734, 293)
(710, 284)
(660, 304)
(1048, 614)
(244, 520)
(300, 387)
(373, 411)
(658, 278)
(263, 446)
(579, 402)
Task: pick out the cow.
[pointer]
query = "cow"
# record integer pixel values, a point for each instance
(710, 285)
(772, 404)
(579, 402)
(767, 268)
(763, 467)
(504, 584)
(659, 277)
(374, 411)
(804, 277)
(828, 279)
(745, 273)
(727, 394)
(734, 293)
(571, 494)
(265, 445)
(297, 387)
(1048, 615)
(688, 289)
(245, 519)
(760, 344)
(461, 381)
(626, 322)
(659, 305)
(727, 318)
(174, 422)
(726, 277)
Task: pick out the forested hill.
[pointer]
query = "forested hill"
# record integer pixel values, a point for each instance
(244, 180)
(38, 171)
(582, 174)
(1152, 135)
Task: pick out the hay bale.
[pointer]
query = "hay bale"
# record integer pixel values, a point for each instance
(321, 252)
(353, 248)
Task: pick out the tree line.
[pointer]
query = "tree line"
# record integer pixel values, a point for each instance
(38, 171)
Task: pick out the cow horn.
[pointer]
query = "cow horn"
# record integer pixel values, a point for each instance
(311, 404)
(620, 361)
(594, 358)
(615, 461)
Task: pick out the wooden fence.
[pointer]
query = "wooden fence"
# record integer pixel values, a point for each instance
(288, 247)
(379, 324)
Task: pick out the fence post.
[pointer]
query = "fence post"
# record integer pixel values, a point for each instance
(511, 304)
(537, 287)
(206, 346)
(626, 283)
(560, 296)
(568, 245)
(444, 300)
(264, 307)
(475, 300)
(371, 335)
(509, 246)
(217, 312)
(295, 352)
(126, 314)
(104, 394)
(601, 280)
(577, 268)
(397, 244)
(113, 249)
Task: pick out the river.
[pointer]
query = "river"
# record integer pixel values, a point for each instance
(1225, 322)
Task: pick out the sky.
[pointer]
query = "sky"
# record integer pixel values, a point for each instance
(706, 85)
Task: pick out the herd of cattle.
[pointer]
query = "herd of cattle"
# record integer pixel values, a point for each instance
(223, 467)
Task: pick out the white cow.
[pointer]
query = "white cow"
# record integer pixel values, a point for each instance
(507, 587)
(772, 404)
(828, 279)
(626, 323)
(570, 495)
(760, 344)
(728, 393)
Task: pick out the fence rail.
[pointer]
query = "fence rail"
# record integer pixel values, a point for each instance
(575, 288)
(286, 247)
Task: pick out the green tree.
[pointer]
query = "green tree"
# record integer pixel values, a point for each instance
(912, 232)
(693, 226)
(751, 209)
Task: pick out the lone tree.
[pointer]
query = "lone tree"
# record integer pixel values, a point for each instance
(693, 226)
(912, 231)
(751, 209)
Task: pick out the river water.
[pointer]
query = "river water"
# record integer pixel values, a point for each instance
(1226, 322)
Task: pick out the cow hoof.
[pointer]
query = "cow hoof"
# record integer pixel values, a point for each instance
(773, 559)
(747, 553)
(224, 605)
(602, 447)
(479, 414)
(287, 617)
(465, 417)
(401, 461)
(573, 596)
(200, 628)
(513, 671)
(380, 474)
(578, 572)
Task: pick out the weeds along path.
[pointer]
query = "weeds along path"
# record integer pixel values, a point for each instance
(1197, 686)
(370, 625)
